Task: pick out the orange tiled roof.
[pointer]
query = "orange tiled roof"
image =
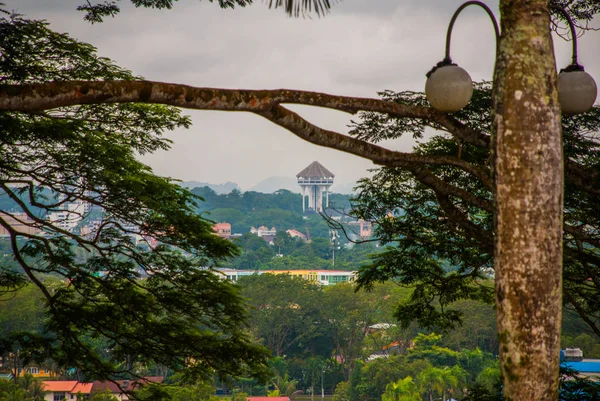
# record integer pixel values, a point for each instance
(59, 385)
(83, 388)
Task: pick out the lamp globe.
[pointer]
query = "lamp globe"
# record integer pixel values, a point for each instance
(576, 91)
(449, 88)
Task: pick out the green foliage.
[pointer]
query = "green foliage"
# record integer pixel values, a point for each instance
(280, 306)
(576, 388)
(490, 378)
(27, 388)
(437, 217)
(239, 396)
(402, 390)
(146, 305)
(103, 396)
(342, 392)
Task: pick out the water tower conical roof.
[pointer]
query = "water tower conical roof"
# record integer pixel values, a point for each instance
(315, 170)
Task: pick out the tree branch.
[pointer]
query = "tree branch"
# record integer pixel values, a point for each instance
(38, 97)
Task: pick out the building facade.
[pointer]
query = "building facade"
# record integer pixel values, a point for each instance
(322, 277)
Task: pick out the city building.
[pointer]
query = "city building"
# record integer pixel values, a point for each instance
(315, 181)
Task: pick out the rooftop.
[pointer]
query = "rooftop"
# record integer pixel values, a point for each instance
(315, 170)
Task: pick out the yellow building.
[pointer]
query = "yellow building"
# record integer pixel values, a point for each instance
(310, 275)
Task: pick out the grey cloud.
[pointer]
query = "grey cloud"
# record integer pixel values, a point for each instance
(362, 47)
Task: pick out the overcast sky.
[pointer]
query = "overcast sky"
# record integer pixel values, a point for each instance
(361, 47)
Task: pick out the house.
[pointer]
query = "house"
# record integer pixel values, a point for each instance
(69, 389)
(65, 390)
(263, 231)
(37, 372)
(223, 230)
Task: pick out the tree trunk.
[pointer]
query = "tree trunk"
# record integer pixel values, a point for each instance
(529, 185)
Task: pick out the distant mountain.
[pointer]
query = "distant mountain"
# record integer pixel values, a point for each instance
(272, 184)
(220, 189)
(267, 186)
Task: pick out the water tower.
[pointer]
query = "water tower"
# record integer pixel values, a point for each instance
(315, 181)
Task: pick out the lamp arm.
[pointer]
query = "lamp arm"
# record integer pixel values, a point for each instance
(457, 12)
(574, 64)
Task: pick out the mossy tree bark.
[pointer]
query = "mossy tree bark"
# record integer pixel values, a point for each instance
(529, 198)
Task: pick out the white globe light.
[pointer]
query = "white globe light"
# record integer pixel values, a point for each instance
(449, 88)
(576, 91)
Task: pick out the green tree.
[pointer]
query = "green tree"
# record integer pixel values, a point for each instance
(440, 381)
(402, 390)
(490, 378)
(150, 305)
(284, 310)
(348, 316)
(432, 381)
(342, 392)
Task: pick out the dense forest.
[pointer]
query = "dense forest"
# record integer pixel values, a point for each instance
(335, 340)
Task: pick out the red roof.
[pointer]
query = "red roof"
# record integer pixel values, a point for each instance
(83, 388)
(62, 386)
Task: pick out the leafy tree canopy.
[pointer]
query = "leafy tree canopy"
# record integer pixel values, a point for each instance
(148, 303)
(438, 220)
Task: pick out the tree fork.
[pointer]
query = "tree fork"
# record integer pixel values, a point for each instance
(529, 196)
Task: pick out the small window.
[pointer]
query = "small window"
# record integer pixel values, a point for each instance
(59, 396)
(34, 371)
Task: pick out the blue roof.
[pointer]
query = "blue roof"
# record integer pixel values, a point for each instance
(584, 366)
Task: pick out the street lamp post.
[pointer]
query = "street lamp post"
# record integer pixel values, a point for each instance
(528, 171)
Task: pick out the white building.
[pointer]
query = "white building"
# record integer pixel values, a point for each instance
(315, 181)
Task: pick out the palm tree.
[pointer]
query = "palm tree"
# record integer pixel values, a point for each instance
(489, 378)
(402, 390)
(284, 385)
(432, 380)
(13, 394)
(438, 381)
(32, 387)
